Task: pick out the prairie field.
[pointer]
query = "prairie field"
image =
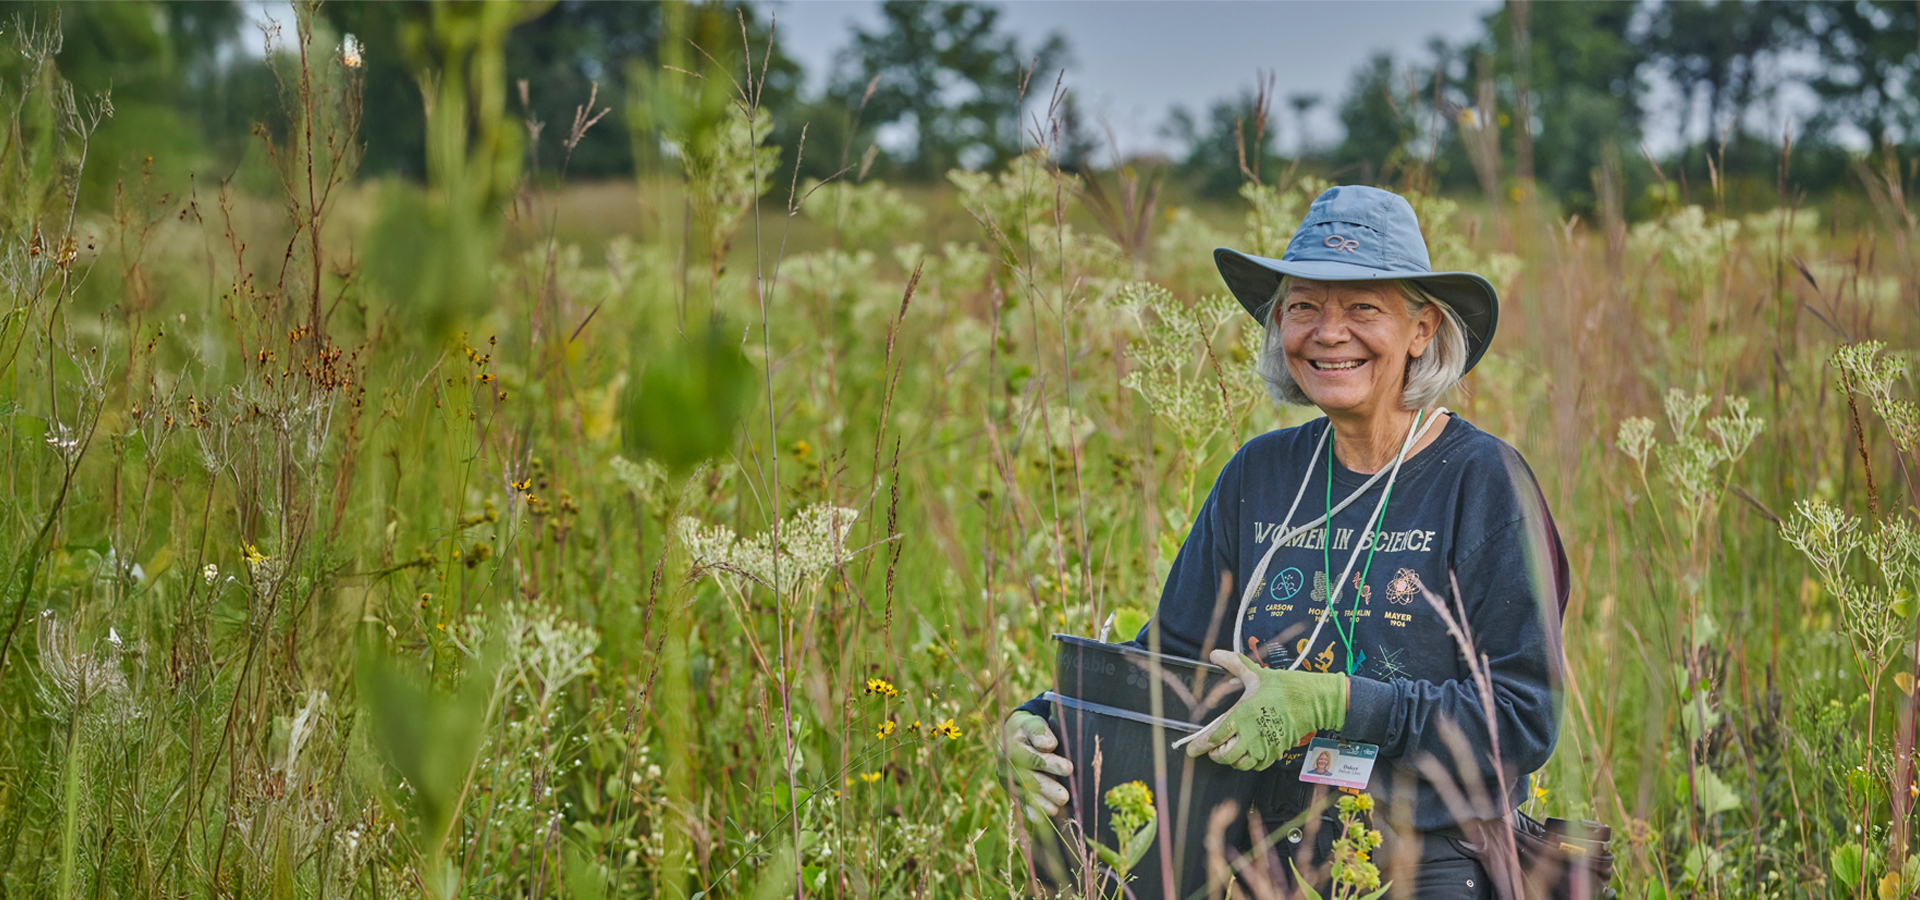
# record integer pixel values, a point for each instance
(691, 536)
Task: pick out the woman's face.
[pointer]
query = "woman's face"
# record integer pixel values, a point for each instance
(1348, 343)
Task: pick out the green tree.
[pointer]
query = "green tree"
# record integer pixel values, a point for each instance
(1215, 146)
(1870, 61)
(1717, 52)
(1584, 70)
(570, 53)
(1378, 124)
(949, 78)
(161, 65)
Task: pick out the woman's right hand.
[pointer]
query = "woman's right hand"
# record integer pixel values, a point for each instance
(1027, 746)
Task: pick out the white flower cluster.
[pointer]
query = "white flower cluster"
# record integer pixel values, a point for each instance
(867, 212)
(793, 557)
(643, 478)
(76, 681)
(1635, 438)
(957, 268)
(1450, 247)
(63, 441)
(1273, 214)
(1874, 617)
(731, 173)
(1874, 376)
(546, 651)
(1172, 369)
(1689, 245)
(1691, 460)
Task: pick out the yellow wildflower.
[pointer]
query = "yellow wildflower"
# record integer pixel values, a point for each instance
(1132, 805)
(947, 729)
(870, 777)
(882, 686)
(885, 729)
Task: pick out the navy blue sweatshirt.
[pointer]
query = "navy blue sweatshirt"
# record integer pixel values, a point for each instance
(1464, 510)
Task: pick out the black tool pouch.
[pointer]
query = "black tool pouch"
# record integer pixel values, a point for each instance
(1552, 860)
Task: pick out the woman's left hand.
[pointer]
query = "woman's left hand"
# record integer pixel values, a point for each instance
(1278, 708)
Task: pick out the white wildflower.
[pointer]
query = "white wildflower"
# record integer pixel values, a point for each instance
(76, 681)
(210, 573)
(1735, 429)
(63, 441)
(707, 546)
(1825, 533)
(1683, 409)
(1635, 438)
(547, 651)
(1688, 244)
(643, 478)
(791, 558)
(1874, 375)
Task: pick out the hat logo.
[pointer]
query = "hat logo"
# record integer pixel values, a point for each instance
(1341, 244)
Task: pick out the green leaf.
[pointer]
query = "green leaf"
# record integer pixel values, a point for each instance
(586, 878)
(1702, 862)
(783, 801)
(1136, 847)
(1128, 620)
(776, 877)
(427, 737)
(685, 407)
(1306, 887)
(1845, 861)
(1715, 796)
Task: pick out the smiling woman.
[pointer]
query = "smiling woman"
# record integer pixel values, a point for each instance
(1360, 326)
(1436, 346)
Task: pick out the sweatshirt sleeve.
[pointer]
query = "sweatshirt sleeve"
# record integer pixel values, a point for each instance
(1512, 586)
(1204, 571)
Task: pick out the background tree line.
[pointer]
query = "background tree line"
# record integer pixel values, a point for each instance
(941, 84)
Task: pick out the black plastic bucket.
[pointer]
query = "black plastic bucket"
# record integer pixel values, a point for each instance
(1122, 703)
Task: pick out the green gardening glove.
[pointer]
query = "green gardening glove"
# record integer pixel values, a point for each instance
(1028, 761)
(1276, 710)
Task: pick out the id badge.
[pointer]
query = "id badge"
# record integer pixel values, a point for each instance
(1339, 763)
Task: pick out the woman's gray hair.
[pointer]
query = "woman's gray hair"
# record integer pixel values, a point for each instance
(1429, 376)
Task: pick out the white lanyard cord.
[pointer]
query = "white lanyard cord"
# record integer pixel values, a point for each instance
(1282, 536)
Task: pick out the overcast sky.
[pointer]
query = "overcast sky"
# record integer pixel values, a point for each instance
(1134, 60)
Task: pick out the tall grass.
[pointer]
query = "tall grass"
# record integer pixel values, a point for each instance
(349, 552)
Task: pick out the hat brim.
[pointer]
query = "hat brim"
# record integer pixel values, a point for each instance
(1254, 279)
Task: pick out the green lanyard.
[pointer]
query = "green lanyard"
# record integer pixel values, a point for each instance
(1347, 633)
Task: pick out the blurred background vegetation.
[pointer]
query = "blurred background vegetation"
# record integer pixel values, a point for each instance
(188, 91)
(549, 450)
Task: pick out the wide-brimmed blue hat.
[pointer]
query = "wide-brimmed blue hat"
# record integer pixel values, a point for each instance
(1358, 233)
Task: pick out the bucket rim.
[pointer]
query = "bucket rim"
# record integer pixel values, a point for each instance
(1074, 640)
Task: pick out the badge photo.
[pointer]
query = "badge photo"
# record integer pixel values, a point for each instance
(1339, 763)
